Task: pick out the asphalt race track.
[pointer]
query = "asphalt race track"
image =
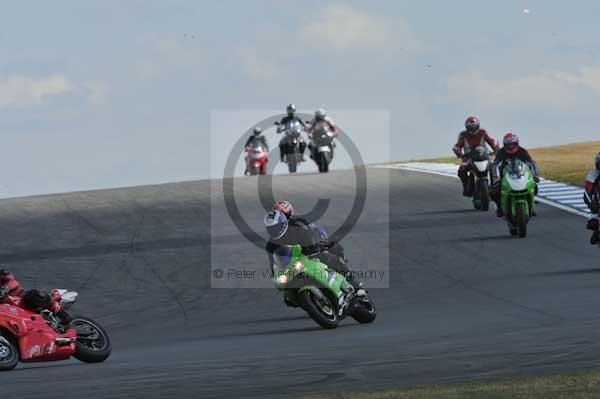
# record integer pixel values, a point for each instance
(466, 300)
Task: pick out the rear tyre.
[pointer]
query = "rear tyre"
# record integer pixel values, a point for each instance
(484, 195)
(521, 220)
(9, 355)
(93, 344)
(320, 310)
(364, 312)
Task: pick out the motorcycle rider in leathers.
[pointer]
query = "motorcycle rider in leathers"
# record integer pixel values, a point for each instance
(34, 300)
(291, 110)
(510, 150)
(321, 118)
(283, 233)
(591, 196)
(256, 137)
(468, 139)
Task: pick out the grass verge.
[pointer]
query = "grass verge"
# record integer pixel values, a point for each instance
(566, 163)
(582, 385)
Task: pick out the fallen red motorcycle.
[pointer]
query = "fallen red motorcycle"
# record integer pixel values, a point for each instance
(256, 160)
(27, 336)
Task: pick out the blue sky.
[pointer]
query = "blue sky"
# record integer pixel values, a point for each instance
(115, 93)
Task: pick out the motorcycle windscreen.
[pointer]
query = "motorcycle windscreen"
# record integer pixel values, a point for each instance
(517, 176)
(283, 256)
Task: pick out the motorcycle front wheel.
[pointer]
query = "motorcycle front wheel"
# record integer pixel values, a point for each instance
(93, 344)
(521, 220)
(320, 309)
(484, 194)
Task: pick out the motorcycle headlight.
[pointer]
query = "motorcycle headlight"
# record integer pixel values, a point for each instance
(298, 266)
(282, 280)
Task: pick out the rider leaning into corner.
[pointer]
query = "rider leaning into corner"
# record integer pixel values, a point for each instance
(34, 300)
(285, 229)
(290, 110)
(591, 196)
(321, 118)
(468, 139)
(510, 150)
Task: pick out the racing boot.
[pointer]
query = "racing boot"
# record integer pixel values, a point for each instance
(595, 239)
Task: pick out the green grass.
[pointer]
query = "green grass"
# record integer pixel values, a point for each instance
(566, 163)
(582, 385)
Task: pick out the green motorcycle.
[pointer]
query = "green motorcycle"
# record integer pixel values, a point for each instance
(322, 292)
(517, 197)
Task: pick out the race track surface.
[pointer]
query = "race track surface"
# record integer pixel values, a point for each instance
(466, 301)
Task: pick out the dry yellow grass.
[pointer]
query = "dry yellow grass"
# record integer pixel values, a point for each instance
(568, 163)
(585, 385)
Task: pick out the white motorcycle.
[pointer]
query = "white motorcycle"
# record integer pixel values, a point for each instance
(479, 177)
(322, 145)
(291, 143)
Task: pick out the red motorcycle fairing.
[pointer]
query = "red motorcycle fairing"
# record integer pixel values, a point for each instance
(36, 340)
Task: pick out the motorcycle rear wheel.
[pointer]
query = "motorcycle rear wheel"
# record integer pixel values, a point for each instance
(9, 355)
(364, 312)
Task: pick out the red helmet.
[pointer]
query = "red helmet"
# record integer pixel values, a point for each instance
(472, 124)
(511, 143)
(285, 207)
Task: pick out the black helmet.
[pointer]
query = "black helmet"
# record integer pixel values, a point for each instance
(472, 124)
(257, 130)
(291, 108)
(35, 299)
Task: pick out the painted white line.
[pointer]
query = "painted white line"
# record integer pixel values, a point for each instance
(563, 207)
(567, 196)
(550, 192)
(563, 190)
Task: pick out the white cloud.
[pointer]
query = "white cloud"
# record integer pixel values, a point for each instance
(343, 27)
(20, 91)
(557, 89)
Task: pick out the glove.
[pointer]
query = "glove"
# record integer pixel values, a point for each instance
(4, 290)
(536, 179)
(593, 224)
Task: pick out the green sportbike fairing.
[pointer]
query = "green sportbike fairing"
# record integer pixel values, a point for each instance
(322, 292)
(517, 197)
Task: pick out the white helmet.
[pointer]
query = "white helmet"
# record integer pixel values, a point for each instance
(276, 224)
(320, 113)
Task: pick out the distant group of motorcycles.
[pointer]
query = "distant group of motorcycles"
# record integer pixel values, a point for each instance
(321, 132)
(510, 181)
